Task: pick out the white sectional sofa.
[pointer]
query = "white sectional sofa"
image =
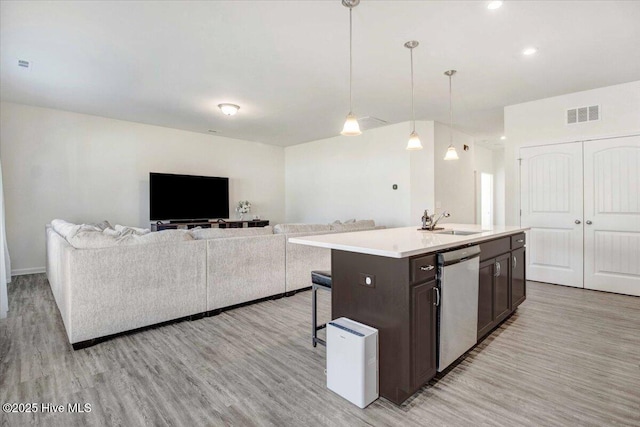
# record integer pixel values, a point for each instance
(108, 281)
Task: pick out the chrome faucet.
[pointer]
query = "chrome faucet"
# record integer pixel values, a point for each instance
(428, 223)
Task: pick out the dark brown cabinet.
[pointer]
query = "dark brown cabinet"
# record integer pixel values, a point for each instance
(494, 296)
(485, 297)
(502, 285)
(423, 325)
(518, 275)
(501, 288)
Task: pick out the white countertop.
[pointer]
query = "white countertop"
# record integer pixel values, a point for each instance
(405, 241)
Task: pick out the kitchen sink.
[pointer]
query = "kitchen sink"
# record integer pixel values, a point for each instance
(458, 232)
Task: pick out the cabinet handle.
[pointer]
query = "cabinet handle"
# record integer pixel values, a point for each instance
(437, 303)
(515, 262)
(577, 221)
(497, 269)
(589, 222)
(427, 267)
(520, 241)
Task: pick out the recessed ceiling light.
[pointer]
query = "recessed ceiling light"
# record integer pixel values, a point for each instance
(529, 51)
(229, 109)
(503, 137)
(494, 5)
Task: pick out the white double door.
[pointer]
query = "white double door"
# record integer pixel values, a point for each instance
(582, 202)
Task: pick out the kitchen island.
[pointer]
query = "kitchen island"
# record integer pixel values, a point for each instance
(387, 279)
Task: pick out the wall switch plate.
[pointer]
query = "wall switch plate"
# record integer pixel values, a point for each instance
(368, 280)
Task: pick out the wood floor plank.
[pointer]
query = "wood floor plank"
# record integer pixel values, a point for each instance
(566, 357)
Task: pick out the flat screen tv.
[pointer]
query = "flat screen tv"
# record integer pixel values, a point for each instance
(187, 197)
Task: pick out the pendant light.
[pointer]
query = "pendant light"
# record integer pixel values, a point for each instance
(414, 140)
(452, 154)
(351, 126)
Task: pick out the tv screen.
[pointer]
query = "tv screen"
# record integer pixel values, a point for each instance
(187, 197)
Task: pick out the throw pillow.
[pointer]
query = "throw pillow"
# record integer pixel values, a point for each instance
(221, 233)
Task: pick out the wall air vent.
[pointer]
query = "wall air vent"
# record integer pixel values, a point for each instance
(583, 114)
(24, 64)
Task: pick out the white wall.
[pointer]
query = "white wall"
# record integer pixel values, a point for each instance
(352, 177)
(498, 186)
(85, 168)
(454, 179)
(543, 122)
(483, 163)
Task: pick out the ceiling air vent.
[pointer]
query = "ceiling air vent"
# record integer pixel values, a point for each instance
(24, 64)
(583, 114)
(370, 122)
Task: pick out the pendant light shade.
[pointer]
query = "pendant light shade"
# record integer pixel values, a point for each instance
(451, 154)
(351, 126)
(414, 141)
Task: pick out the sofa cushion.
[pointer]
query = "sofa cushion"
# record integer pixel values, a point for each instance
(221, 233)
(164, 236)
(300, 228)
(354, 226)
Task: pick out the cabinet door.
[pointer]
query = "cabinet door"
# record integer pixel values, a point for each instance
(485, 297)
(423, 326)
(518, 285)
(501, 288)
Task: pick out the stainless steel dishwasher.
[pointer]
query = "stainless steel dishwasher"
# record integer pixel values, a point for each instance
(458, 275)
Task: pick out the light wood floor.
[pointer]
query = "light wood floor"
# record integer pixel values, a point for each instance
(567, 357)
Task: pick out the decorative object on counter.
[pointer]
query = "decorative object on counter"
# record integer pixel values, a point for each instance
(351, 126)
(243, 207)
(452, 154)
(414, 140)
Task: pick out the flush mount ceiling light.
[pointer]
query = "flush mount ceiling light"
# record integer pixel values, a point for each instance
(229, 109)
(452, 154)
(351, 126)
(494, 5)
(529, 51)
(503, 137)
(414, 140)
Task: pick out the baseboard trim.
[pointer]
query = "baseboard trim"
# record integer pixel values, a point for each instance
(23, 271)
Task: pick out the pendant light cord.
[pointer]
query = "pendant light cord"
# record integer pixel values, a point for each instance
(413, 111)
(350, 61)
(450, 113)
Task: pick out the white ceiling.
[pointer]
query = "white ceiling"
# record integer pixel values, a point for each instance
(286, 62)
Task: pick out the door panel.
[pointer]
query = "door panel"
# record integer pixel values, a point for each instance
(424, 323)
(518, 287)
(485, 297)
(501, 295)
(551, 202)
(612, 205)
